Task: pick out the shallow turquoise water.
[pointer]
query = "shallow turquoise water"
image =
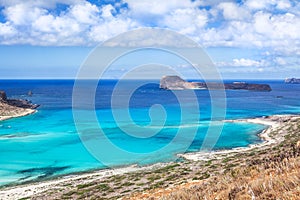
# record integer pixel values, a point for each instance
(47, 143)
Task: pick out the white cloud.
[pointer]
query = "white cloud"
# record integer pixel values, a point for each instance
(49, 4)
(44, 23)
(158, 7)
(243, 62)
(280, 61)
(232, 11)
(286, 26)
(23, 14)
(61, 26)
(107, 11)
(257, 5)
(108, 29)
(250, 23)
(283, 4)
(268, 4)
(82, 23)
(85, 13)
(186, 21)
(272, 26)
(7, 30)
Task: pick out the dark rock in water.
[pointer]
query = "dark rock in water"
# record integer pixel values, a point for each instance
(3, 96)
(29, 93)
(177, 83)
(292, 81)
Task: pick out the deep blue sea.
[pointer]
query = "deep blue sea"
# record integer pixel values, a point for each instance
(48, 144)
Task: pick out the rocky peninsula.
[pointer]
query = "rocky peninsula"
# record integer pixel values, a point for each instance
(10, 108)
(177, 83)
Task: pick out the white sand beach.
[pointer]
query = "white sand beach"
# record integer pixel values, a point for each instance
(19, 113)
(27, 190)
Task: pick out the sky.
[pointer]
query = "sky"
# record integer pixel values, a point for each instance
(253, 39)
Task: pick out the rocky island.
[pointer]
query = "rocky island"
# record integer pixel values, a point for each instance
(177, 83)
(10, 108)
(292, 81)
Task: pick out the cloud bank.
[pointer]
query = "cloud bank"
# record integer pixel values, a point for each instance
(272, 26)
(260, 23)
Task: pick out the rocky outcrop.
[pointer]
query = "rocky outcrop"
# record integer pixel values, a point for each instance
(11, 108)
(247, 86)
(177, 83)
(292, 81)
(3, 96)
(20, 103)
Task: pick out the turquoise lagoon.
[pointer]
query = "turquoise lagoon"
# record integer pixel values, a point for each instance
(47, 144)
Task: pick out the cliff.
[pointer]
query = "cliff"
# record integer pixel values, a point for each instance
(177, 83)
(292, 81)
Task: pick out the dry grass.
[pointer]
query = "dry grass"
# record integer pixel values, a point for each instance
(282, 181)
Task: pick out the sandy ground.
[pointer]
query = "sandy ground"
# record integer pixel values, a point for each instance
(27, 190)
(15, 192)
(21, 113)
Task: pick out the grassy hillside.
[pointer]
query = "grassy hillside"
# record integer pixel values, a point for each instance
(272, 173)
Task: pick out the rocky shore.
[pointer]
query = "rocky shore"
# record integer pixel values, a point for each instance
(158, 181)
(11, 108)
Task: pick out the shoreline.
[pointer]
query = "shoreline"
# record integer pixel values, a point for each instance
(274, 123)
(25, 112)
(29, 189)
(13, 108)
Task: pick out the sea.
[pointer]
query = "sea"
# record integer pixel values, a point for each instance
(50, 143)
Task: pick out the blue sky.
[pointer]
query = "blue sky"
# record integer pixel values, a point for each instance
(245, 39)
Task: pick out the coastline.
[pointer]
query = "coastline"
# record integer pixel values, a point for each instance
(274, 123)
(13, 108)
(20, 113)
(29, 189)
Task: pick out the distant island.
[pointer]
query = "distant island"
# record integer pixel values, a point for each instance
(10, 108)
(177, 83)
(292, 81)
